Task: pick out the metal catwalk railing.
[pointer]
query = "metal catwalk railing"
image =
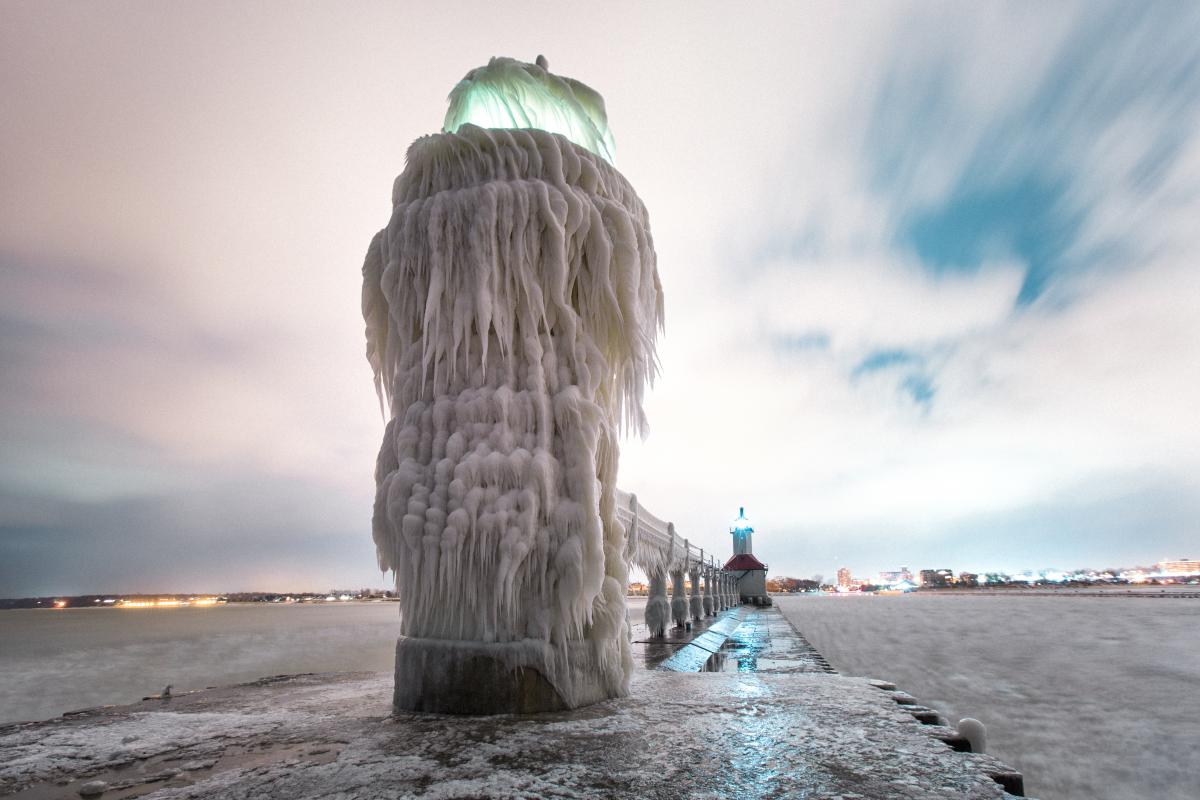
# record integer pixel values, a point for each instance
(654, 544)
(656, 547)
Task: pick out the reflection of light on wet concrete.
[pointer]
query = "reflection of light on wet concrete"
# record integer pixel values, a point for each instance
(746, 689)
(759, 737)
(743, 640)
(766, 642)
(682, 650)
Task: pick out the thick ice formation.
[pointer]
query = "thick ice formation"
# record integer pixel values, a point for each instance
(512, 305)
(512, 94)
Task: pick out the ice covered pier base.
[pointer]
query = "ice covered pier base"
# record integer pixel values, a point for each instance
(786, 729)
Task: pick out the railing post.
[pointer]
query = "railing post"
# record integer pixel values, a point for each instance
(634, 534)
(658, 610)
(678, 598)
(718, 601)
(713, 591)
(697, 605)
(679, 604)
(708, 587)
(723, 584)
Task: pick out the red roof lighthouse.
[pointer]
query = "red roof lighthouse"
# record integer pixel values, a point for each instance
(751, 573)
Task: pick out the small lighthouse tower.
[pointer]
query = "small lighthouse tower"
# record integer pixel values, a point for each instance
(751, 574)
(742, 534)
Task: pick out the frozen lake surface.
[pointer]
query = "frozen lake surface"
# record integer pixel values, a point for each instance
(1090, 697)
(56, 660)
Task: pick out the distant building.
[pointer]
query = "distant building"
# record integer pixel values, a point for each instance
(937, 577)
(896, 577)
(751, 574)
(845, 580)
(1182, 566)
(968, 579)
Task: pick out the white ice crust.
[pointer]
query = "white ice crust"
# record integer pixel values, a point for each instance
(511, 306)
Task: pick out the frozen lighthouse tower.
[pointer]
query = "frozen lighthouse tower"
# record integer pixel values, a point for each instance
(748, 571)
(511, 306)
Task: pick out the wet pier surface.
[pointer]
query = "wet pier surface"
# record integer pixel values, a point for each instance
(743, 639)
(759, 716)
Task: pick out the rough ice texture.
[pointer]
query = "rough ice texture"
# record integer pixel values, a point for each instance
(658, 609)
(512, 305)
(702, 735)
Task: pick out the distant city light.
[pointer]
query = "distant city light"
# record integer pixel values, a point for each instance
(166, 602)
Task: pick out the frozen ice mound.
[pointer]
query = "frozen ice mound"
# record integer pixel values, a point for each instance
(512, 306)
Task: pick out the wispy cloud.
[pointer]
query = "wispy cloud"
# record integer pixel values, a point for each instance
(1016, 139)
(992, 237)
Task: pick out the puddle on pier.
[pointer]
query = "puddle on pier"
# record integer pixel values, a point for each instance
(740, 651)
(747, 640)
(684, 649)
(765, 642)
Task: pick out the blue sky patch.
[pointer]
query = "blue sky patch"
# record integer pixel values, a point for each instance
(1025, 221)
(920, 388)
(802, 342)
(1024, 186)
(882, 359)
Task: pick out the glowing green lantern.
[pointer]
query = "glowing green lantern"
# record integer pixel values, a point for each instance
(513, 94)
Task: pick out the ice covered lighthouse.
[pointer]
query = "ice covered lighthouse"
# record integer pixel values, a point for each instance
(751, 574)
(512, 305)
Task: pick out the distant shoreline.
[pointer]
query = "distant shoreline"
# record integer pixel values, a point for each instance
(163, 601)
(167, 600)
(1177, 590)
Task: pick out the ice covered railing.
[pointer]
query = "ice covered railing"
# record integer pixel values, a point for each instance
(656, 547)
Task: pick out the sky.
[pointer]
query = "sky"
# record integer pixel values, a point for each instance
(930, 277)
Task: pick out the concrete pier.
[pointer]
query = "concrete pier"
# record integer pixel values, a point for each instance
(770, 722)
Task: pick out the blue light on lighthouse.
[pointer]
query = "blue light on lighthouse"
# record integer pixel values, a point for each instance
(742, 532)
